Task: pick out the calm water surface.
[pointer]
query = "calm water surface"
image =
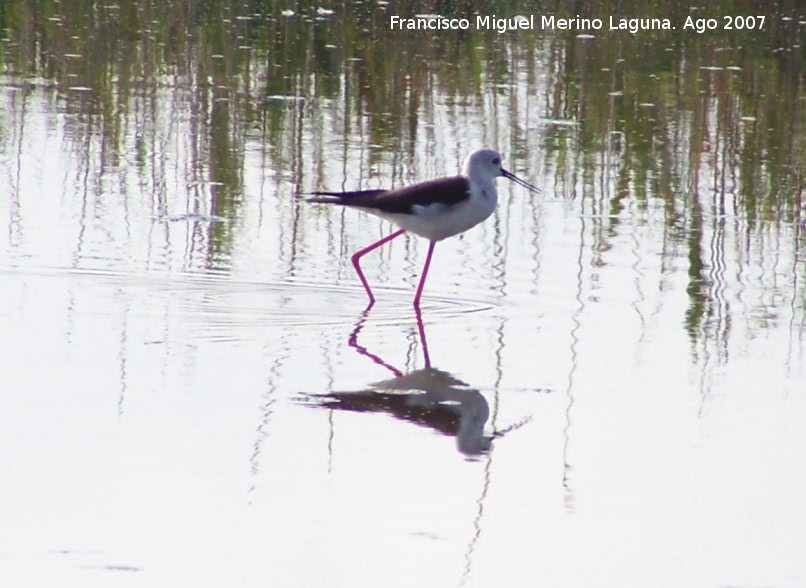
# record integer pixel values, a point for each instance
(605, 386)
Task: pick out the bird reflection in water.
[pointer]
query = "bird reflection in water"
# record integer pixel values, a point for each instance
(428, 397)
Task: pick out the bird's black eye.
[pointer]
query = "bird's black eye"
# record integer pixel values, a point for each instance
(496, 161)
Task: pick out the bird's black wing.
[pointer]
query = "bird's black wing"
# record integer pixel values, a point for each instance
(446, 191)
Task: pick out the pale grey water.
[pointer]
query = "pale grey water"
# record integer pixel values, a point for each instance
(174, 318)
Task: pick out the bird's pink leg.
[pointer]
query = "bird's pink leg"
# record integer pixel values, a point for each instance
(360, 253)
(425, 273)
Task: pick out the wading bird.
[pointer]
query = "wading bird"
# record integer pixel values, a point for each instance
(436, 209)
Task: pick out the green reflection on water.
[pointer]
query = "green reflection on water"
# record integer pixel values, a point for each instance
(708, 126)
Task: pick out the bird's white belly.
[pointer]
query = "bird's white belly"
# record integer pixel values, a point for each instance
(437, 221)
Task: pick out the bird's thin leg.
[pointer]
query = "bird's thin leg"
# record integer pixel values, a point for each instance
(361, 252)
(425, 273)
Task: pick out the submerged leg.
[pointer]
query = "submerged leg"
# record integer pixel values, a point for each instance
(360, 253)
(421, 330)
(425, 273)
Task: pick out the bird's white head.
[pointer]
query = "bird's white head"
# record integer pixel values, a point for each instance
(484, 165)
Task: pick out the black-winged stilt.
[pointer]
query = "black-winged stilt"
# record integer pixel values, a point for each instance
(436, 209)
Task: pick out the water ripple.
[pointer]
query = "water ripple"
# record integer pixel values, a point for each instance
(221, 306)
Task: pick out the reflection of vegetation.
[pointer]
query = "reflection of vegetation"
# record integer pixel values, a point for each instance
(699, 126)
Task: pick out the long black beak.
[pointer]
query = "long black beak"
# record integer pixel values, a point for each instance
(520, 182)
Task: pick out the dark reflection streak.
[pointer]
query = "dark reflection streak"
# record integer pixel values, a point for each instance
(165, 341)
(203, 243)
(364, 155)
(718, 282)
(412, 267)
(695, 314)
(15, 223)
(741, 256)
(325, 347)
(113, 170)
(196, 126)
(226, 162)
(82, 179)
(123, 356)
(299, 175)
(515, 108)
(294, 239)
(764, 266)
(289, 229)
(266, 410)
(298, 135)
(696, 280)
(344, 249)
(500, 247)
(710, 322)
(265, 163)
(728, 187)
(570, 496)
(614, 154)
(670, 186)
(331, 439)
(638, 280)
(156, 156)
(795, 331)
(346, 132)
(82, 171)
(534, 214)
(474, 539)
(411, 351)
(797, 305)
(499, 375)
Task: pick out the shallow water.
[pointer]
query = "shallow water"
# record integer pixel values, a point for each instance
(604, 386)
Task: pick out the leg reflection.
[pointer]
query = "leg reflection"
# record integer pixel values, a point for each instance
(352, 341)
(421, 332)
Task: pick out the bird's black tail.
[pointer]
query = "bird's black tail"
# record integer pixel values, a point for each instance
(340, 197)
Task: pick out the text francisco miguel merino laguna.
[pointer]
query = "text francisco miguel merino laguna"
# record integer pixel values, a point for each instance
(502, 25)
